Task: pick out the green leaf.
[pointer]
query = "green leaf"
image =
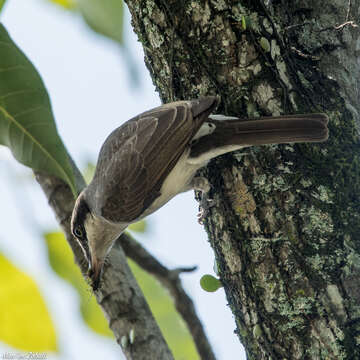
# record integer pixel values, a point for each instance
(27, 124)
(106, 17)
(2, 2)
(61, 260)
(210, 283)
(243, 22)
(25, 321)
(171, 324)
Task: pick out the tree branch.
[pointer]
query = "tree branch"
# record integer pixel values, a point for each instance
(119, 295)
(171, 280)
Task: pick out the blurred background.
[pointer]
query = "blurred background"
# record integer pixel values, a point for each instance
(95, 84)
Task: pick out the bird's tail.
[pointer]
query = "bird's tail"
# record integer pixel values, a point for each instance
(229, 134)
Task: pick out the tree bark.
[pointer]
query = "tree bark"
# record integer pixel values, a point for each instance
(285, 228)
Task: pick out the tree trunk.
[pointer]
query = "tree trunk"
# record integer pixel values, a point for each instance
(285, 228)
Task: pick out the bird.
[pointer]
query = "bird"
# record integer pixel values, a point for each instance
(156, 155)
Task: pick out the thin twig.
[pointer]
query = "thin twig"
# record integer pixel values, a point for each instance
(339, 27)
(347, 23)
(171, 280)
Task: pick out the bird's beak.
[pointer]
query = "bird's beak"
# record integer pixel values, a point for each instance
(94, 272)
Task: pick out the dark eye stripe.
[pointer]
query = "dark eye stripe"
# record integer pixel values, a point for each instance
(82, 241)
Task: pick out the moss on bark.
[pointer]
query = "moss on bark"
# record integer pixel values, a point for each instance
(285, 230)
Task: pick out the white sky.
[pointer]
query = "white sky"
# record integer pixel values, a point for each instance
(91, 93)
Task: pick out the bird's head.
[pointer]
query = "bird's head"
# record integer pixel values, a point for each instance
(95, 236)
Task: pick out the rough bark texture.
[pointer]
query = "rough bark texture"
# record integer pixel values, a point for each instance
(285, 229)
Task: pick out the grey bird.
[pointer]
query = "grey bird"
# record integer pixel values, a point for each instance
(154, 156)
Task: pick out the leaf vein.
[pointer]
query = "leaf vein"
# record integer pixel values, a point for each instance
(34, 140)
(17, 92)
(15, 67)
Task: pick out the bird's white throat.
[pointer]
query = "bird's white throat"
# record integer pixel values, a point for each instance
(101, 233)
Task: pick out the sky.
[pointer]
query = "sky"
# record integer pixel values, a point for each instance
(92, 93)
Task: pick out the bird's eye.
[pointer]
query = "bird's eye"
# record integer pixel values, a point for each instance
(78, 232)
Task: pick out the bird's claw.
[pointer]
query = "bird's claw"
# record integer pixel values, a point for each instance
(205, 204)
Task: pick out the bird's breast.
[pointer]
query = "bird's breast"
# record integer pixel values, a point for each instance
(178, 181)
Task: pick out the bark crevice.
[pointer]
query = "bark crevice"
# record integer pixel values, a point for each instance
(285, 228)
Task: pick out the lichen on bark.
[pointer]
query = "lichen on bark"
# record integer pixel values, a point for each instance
(285, 228)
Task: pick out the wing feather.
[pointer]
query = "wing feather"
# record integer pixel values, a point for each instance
(136, 157)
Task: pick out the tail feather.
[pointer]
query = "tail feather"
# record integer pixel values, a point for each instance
(262, 131)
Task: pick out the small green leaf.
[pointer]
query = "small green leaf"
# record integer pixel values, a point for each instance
(210, 283)
(25, 321)
(105, 17)
(27, 125)
(139, 227)
(243, 22)
(61, 260)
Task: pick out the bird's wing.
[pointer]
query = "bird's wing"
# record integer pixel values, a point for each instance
(136, 157)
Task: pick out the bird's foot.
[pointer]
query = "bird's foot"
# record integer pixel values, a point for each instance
(202, 184)
(205, 204)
